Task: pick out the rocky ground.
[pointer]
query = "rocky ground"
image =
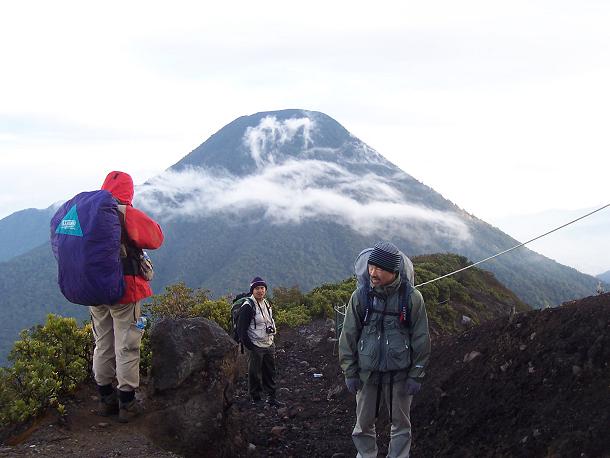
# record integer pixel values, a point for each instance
(534, 385)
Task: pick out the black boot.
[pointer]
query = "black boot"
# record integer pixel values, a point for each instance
(129, 407)
(108, 405)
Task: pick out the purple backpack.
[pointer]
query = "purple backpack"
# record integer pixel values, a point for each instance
(86, 242)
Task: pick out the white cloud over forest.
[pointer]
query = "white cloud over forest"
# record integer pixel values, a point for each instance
(291, 193)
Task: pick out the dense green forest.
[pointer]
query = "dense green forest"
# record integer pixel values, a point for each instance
(473, 291)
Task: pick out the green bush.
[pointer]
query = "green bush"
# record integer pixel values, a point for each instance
(323, 299)
(218, 311)
(145, 351)
(293, 316)
(288, 297)
(48, 361)
(178, 301)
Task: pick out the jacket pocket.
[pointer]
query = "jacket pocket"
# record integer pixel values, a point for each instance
(368, 351)
(398, 352)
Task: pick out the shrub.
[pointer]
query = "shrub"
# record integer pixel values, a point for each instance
(218, 311)
(323, 299)
(145, 351)
(48, 361)
(178, 301)
(293, 316)
(288, 297)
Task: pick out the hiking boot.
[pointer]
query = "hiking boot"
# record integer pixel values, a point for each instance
(273, 402)
(129, 410)
(108, 405)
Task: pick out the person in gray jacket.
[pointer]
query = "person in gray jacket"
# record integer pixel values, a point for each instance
(383, 350)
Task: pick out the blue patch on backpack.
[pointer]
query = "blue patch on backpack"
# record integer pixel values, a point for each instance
(70, 225)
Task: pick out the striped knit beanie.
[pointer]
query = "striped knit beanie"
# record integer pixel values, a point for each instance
(386, 256)
(257, 281)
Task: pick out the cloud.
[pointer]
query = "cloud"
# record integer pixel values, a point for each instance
(269, 135)
(291, 193)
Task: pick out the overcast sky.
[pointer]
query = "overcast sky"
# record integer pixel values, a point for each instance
(502, 107)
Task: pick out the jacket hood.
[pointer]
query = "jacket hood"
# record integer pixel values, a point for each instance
(120, 185)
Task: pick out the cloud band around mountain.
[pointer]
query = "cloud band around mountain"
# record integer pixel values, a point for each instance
(292, 192)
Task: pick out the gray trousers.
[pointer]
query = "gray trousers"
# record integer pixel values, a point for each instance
(261, 371)
(364, 435)
(117, 345)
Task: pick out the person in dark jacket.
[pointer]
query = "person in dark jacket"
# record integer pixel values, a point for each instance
(117, 338)
(256, 330)
(384, 348)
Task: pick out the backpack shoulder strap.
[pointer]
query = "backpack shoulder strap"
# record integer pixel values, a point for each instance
(251, 303)
(122, 212)
(268, 307)
(404, 297)
(365, 300)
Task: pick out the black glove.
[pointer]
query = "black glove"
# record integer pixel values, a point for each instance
(412, 387)
(353, 384)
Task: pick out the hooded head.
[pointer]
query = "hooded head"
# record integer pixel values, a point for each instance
(120, 185)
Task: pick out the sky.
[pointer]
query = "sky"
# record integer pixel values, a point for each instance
(499, 106)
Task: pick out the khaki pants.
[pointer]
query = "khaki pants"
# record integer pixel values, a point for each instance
(117, 345)
(364, 435)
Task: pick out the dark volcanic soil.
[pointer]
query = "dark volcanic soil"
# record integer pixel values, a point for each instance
(534, 386)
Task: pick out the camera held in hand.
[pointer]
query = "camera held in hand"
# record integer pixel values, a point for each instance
(270, 329)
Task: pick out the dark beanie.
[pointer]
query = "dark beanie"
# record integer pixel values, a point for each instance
(386, 256)
(257, 281)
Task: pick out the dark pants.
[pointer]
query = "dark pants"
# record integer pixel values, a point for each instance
(261, 372)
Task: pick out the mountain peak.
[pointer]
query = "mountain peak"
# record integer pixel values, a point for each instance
(274, 137)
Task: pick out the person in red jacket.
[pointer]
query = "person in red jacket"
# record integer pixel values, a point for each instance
(117, 338)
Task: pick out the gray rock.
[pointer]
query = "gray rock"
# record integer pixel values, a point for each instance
(193, 371)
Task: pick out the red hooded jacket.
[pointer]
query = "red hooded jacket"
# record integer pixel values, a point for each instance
(142, 230)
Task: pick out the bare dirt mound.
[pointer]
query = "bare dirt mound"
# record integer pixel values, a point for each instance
(536, 386)
(533, 386)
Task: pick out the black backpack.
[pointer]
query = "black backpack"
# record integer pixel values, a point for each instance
(236, 306)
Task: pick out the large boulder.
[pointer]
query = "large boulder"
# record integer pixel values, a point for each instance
(194, 369)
